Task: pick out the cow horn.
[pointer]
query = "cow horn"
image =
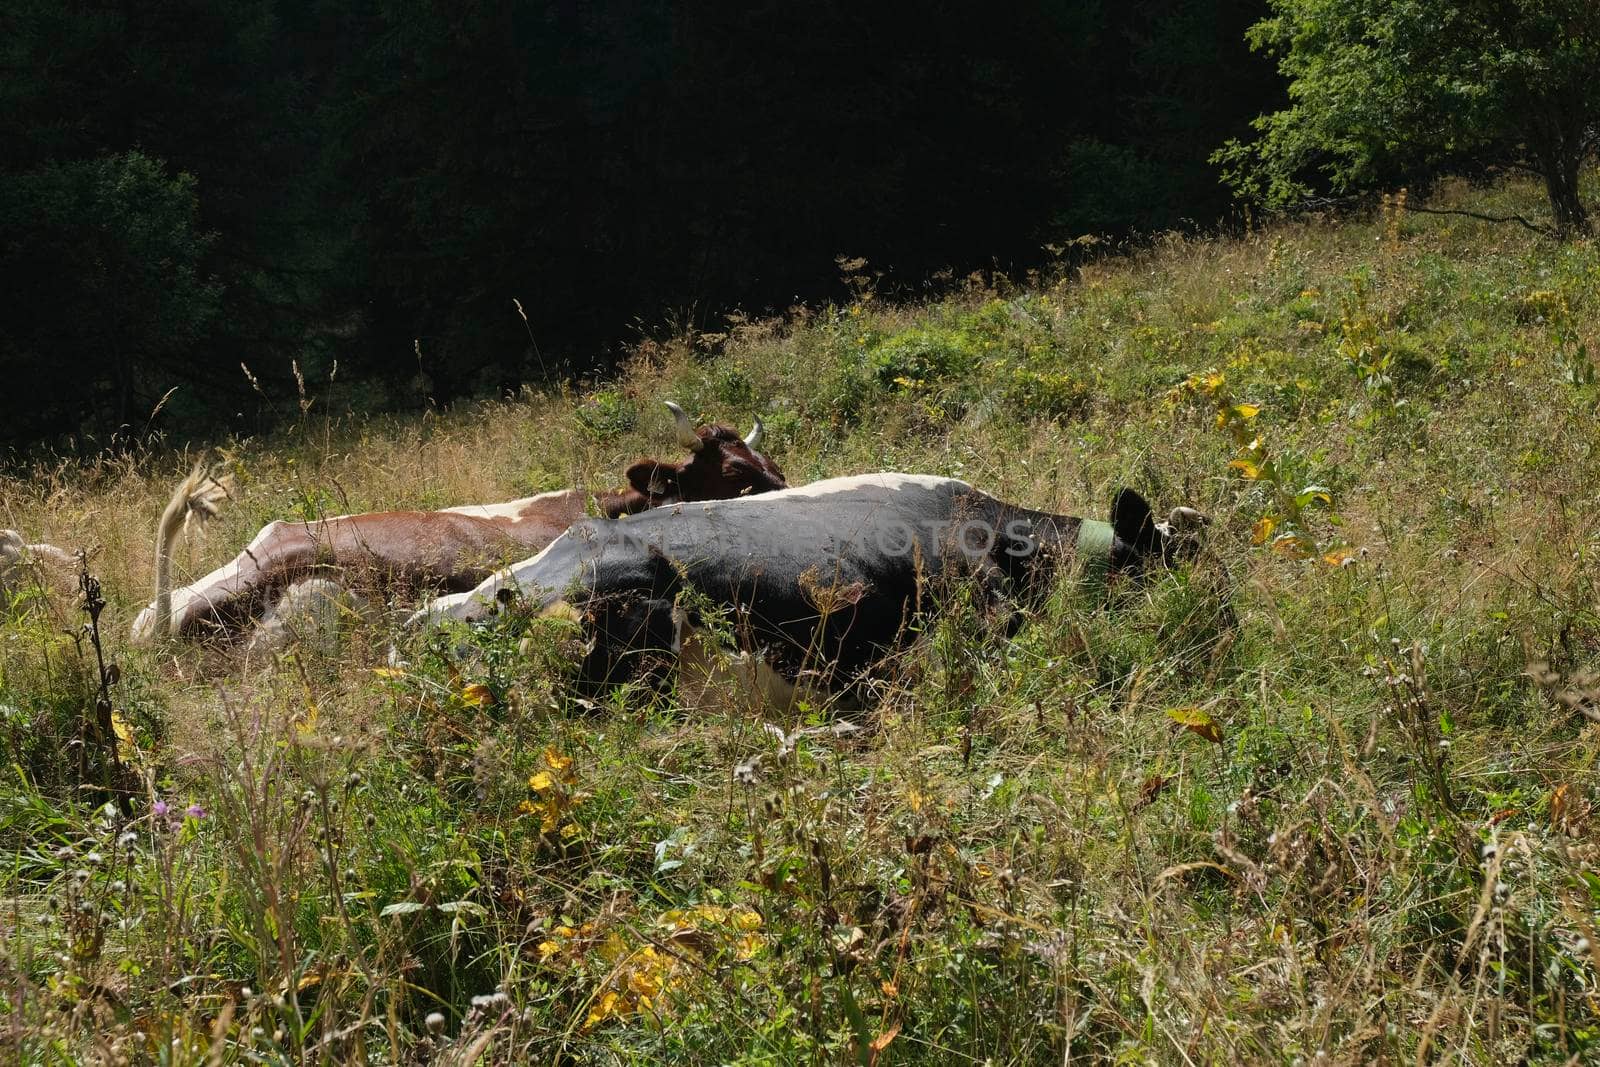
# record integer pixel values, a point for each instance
(753, 439)
(686, 435)
(1185, 520)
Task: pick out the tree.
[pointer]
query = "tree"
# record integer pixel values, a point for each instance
(1382, 90)
(101, 264)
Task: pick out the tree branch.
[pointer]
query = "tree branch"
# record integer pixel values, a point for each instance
(1542, 231)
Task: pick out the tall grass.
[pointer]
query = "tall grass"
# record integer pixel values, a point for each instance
(1321, 802)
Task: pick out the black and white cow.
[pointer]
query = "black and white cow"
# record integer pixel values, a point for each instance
(820, 580)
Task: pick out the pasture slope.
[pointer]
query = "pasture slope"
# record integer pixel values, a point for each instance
(1325, 798)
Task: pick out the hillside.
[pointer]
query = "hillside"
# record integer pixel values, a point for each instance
(1325, 796)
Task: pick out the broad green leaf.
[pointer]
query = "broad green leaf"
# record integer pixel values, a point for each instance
(1313, 493)
(404, 907)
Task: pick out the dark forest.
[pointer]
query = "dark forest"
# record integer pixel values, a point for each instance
(282, 184)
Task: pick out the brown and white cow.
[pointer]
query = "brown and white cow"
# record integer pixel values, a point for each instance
(452, 550)
(23, 564)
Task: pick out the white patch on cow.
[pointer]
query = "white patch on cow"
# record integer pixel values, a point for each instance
(18, 558)
(511, 509)
(479, 602)
(215, 588)
(891, 480)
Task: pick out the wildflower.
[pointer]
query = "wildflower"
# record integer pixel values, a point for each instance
(435, 1021)
(602, 1010)
(159, 809)
(195, 811)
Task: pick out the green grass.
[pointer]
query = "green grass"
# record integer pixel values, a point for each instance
(1017, 855)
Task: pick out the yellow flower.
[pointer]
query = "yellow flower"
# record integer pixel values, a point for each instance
(126, 748)
(601, 1010)
(613, 949)
(540, 782)
(555, 760)
(645, 983)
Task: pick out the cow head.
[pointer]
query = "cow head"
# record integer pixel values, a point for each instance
(721, 464)
(1140, 540)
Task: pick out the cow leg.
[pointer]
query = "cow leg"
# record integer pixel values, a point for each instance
(633, 639)
(310, 611)
(707, 668)
(281, 552)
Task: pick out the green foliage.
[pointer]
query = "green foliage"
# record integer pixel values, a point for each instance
(1385, 89)
(120, 240)
(1115, 188)
(607, 415)
(919, 359)
(380, 180)
(998, 354)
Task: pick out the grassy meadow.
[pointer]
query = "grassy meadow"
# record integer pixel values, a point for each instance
(1326, 796)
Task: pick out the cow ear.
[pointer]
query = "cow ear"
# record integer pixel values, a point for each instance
(1133, 522)
(654, 478)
